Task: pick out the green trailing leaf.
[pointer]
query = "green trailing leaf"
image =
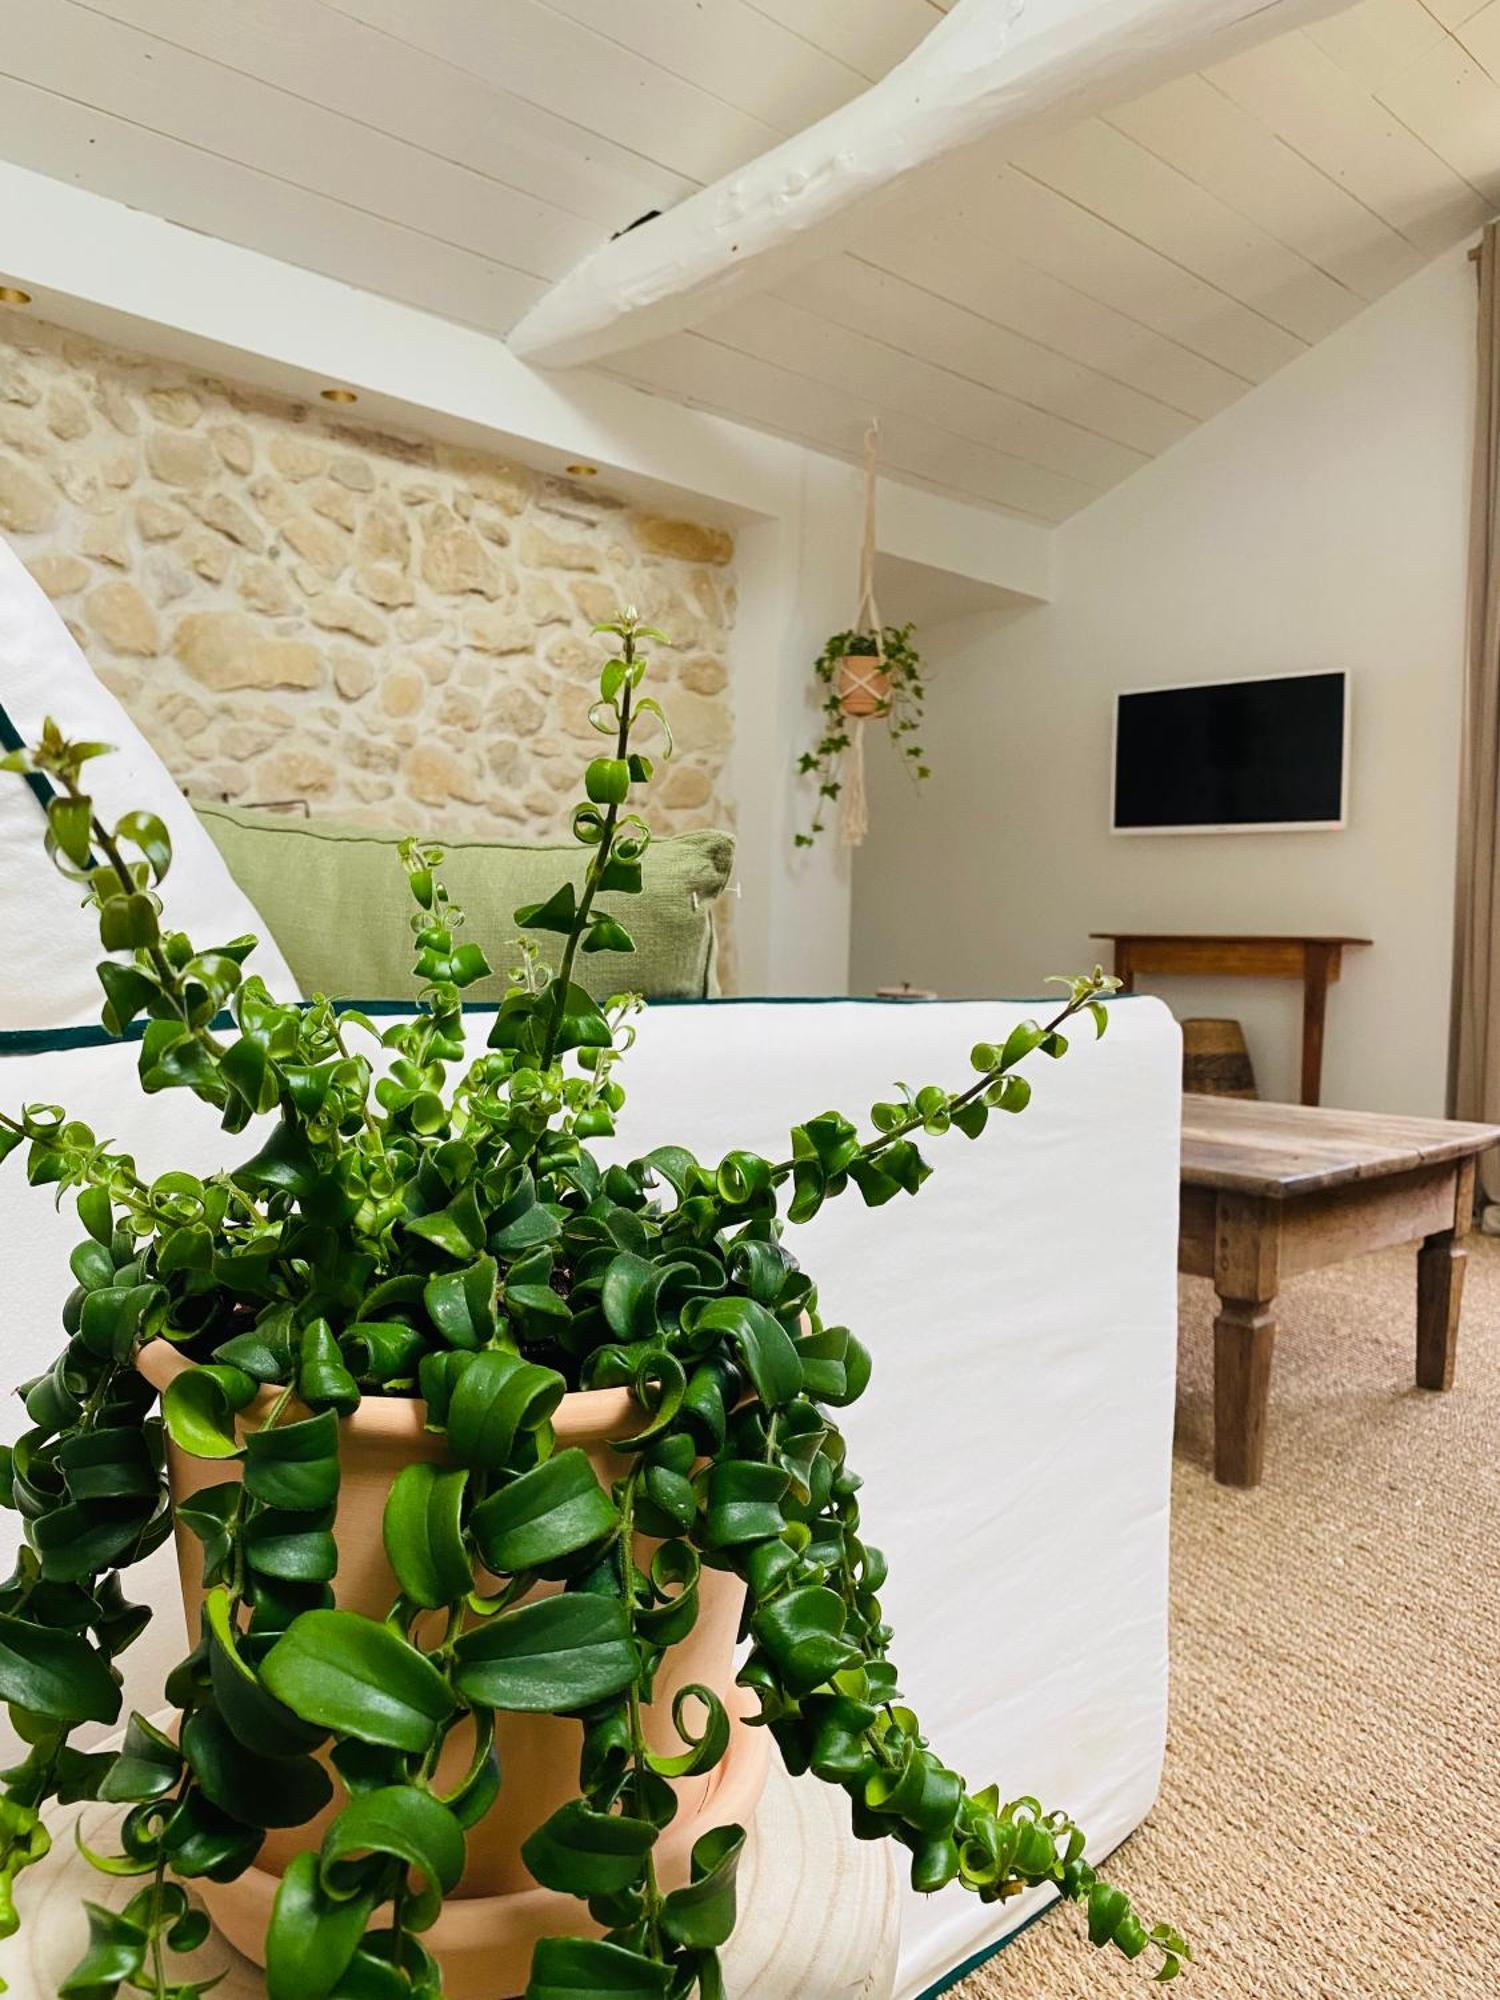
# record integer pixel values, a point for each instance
(555, 1511)
(498, 1398)
(249, 1785)
(57, 1674)
(200, 1406)
(399, 1820)
(579, 1969)
(550, 1657)
(423, 1531)
(580, 1852)
(349, 1674)
(702, 1914)
(312, 1935)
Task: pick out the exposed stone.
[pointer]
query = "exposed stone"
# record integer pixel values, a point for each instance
(369, 755)
(460, 709)
(296, 457)
(684, 541)
(384, 584)
(104, 537)
(119, 410)
(384, 536)
(121, 617)
(16, 386)
(318, 542)
(352, 471)
(297, 774)
(687, 786)
(539, 550)
(272, 501)
(234, 445)
(494, 527)
(454, 560)
(337, 613)
(222, 511)
(402, 692)
(265, 589)
(435, 775)
(517, 710)
(599, 602)
(436, 662)
(570, 655)
(505, 759)
(244, 740)
(180, 408)
(573, 708)
(225, 650)
(545, 603)
(491, 631)
(158, 520)
(27, 503)
(59, 575)
(504, 486)
(180, 458)
(208, 556)
(67, 415)
(704, 676)
(418, 623)
(188, 717)
(353, 673)
(334, 503)
(166, 577)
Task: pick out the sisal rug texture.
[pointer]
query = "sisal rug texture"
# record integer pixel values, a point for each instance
(1329, 1821)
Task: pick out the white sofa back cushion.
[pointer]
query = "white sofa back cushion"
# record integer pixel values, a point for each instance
(48, 946)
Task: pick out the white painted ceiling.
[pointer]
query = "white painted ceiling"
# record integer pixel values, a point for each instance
(1036, 324)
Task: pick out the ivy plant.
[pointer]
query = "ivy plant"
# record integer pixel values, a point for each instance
(900, 709)
(411, 1222)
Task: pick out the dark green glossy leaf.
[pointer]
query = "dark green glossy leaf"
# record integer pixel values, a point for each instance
(581, 1852)
(702, 1915)
(147, 1765)
(803, 1633)
(399, 1820)
(581, 1969)
(199, 1406)
(549, 1657)
(423, 1534)
(247, 1784)
(116, 1952)
(295, 1466)
(58, 1674)
(547, 1514)
(461, 1304)
(497, 1397)
(349, 1674)
(312, 1936)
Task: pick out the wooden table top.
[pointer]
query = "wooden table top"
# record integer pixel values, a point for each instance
(1228, 937)
(1289, 1149)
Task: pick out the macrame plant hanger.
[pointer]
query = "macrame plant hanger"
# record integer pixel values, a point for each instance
(864, 685)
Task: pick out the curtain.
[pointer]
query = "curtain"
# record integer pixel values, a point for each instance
(1476, 1040)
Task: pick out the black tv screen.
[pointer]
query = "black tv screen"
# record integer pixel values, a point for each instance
(1227, 754)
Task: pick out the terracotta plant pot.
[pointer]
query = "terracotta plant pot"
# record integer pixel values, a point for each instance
(485, 1935)
(862, 684)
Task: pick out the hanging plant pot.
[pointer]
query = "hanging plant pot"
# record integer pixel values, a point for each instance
(863, 685)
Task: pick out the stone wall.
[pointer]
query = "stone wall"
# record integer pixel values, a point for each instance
(293, 607)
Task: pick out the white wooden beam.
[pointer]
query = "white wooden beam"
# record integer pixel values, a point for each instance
(988, 67)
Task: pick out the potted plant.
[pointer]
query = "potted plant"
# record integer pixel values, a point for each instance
(473, 1442)
(865, 675)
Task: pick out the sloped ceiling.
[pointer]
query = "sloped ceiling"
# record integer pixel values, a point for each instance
(1032, 326)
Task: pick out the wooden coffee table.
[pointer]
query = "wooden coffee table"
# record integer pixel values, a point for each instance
(1269, 1190)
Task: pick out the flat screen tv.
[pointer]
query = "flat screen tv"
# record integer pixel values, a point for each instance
(1270, 755)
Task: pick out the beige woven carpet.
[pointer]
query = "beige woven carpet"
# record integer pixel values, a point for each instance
(1329, 1821)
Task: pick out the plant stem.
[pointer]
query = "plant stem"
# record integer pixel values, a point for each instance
(638, 1745)
(594, 876)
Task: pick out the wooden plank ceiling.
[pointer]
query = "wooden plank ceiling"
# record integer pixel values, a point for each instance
(1035, 325)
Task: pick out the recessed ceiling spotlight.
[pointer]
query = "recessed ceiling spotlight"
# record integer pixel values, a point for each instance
(12, 295)
(582, 471)
(338, 395)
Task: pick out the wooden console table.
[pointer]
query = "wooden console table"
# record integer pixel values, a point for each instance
(1316, 961)
(1269, 1190)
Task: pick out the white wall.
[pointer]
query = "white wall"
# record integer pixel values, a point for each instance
(1320, 522)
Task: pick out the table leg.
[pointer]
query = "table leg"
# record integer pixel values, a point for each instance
(1319, 965)
(1247, 1257)
(1440, 1289)
(1244, 1338)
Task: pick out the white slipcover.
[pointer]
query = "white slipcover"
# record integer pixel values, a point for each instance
(1021, 1311)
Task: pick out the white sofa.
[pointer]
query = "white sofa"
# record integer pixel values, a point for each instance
(1021, 1311)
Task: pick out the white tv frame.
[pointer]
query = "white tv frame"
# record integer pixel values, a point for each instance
(1239, 826)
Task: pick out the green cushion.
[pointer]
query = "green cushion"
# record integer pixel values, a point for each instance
(336, 900)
